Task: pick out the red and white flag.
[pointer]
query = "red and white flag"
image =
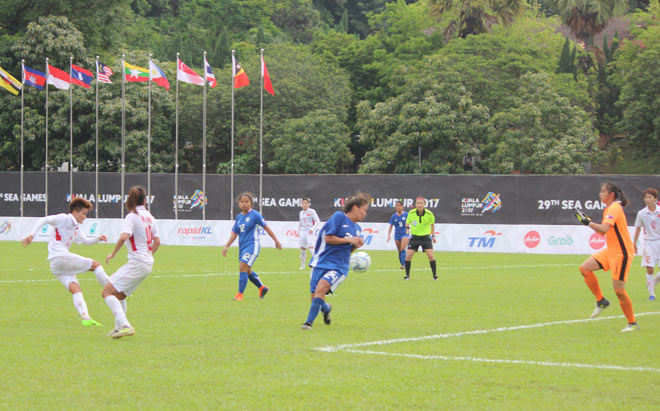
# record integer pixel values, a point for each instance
(268, 86)
(209, 74)
(187, 75)
(58, 78)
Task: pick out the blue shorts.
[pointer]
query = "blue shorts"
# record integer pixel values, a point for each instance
(399, 237)
(334, 277)
(248, 255)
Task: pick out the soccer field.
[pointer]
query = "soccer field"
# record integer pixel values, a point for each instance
(496, 331)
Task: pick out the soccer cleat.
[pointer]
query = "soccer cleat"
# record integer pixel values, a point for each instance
(262, 292)
(238, 297)
(630, 327)
(326, 316)
(112, 332)
(307, 326)
(126, 331)
(435, 278)
(302, 267)
(407, 277)
(652, 298)
(600, 306)
(90, 322)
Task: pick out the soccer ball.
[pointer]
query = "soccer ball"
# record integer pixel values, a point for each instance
(360, 261)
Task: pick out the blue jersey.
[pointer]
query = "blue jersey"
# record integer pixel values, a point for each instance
(246, 228)
(335, 256)
(399, 223)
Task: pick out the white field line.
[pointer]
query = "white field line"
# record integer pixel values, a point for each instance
(217, 274)
(505, 361)
(347, 347)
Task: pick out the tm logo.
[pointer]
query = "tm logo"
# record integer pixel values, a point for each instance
(484, 242)
(368, 235)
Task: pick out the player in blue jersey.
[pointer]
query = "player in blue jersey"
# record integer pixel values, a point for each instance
(245, 228)
(398, 222)
(339, 236)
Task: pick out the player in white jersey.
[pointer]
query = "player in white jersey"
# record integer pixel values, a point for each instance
(648, 219)
(65, 264)
(308, 222)
(140, 234)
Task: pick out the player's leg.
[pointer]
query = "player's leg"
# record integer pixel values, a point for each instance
(596, 262)
(122, 284)
(302, 242)
(619, 278)
(322, 283)
(410, 252)
(403, 250)
(99, 273)
(650, 283)
(400, 253)
(65, 269)
(650, 257)
(428, 249)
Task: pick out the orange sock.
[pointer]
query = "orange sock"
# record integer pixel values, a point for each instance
(592, 282)
(626, 305)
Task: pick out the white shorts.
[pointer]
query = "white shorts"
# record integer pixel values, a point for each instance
(306, 239)
(129, 276)
(67, 266)
(651, 254)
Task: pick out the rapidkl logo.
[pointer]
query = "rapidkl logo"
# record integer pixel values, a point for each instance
(5, 227)
(484, 242)
(195, 230)
(597, 241)
(293, 234)
(532, 239)
(368, 235)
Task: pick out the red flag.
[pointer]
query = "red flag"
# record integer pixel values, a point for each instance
(81, 76)
(58, 78)
(268, 86)
(240, 77)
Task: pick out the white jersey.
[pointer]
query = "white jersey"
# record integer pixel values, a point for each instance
(66, 231)
(308, 219)
(650, 223)
(141, 226)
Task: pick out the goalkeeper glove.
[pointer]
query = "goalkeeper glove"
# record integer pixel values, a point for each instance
(582, 217)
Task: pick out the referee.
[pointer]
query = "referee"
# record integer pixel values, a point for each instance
(420, 223)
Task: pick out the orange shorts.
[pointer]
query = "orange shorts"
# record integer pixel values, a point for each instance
(615, 262)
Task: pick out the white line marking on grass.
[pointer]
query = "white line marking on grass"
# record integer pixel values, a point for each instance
(346, 347)
(505, 361)
(217, 274)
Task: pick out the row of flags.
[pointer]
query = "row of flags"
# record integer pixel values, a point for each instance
(83, 77)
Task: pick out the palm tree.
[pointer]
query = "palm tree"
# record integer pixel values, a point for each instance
(587, 18)
(476, 16)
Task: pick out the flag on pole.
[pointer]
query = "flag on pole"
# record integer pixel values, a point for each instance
(34, 78)
(187, 75)
(103, 73)
(58, 78)
(9, 83)
(209, 74)
(134, 73)
(157, 75)
(240, 77)
(81, 76)
(268, 86)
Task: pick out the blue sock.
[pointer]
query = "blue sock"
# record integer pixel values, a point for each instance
(402, 257)
(242, 281)
(254, 279)
(314, 310)
(325, 307)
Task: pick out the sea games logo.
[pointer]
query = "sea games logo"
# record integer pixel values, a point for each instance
(186, 203)
(5, 228)
(532, 239)
(474, 206)
(596, 241)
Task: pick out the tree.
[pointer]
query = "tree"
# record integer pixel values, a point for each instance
(475, 16)
(314, 144)
(586, 18)
(542, 133)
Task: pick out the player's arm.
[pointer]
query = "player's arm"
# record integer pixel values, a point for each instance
(51, 219)
(389, 233)
(582, 217)
(154, 245)
(357, 242)
(84, 240)
(637, 231)
(232, 237)
(433, 232)
(122, 239)
(272, 235)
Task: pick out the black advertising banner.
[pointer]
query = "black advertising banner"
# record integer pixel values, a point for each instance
(454, 199)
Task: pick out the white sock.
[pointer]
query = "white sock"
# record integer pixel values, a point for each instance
(117, 311)
(81, 306)
(649, 284)
(657, 279)
(303, 257)
(123, 305)
(101, 276)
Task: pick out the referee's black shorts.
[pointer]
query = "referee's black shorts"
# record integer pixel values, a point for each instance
(420, 240)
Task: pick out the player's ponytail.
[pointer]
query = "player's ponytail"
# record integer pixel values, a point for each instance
(618, 193)
(136, 197)
(358, 199)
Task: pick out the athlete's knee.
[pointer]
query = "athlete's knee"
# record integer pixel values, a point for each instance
(95, 265)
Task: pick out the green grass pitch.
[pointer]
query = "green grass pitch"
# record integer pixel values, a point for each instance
(495, 332)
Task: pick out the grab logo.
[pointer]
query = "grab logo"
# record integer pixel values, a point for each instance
(532, 239)
(597, 241)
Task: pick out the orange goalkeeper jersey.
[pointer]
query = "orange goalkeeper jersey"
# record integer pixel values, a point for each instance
(618, 237)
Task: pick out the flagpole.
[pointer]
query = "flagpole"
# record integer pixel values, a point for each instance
(96, 169)
(149, 141)
(46, 162)
(231, 195)
(123, 132)
(261, 135)
(22, 115)
(176, 144)
(204, 142)
(70, 128)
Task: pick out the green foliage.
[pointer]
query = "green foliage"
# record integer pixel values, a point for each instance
(472, 17)
(567, 58)
(541, 133)
(586, 18)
